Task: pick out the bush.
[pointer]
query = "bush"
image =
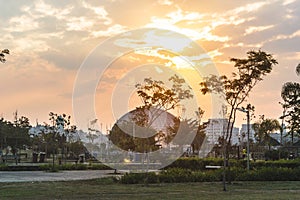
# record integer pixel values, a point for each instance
(194, 163)
(139, 178)
(276, 164)
(270, 174)
(177, 175)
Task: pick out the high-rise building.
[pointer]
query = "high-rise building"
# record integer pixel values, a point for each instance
(217, 128)
(244, 132)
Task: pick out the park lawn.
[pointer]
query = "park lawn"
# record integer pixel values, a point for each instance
(107, 189)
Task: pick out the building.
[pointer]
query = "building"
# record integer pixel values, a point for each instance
(217, 128)
(244, 132)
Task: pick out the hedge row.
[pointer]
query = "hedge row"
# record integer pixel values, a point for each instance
(182, 175)
(175, 175)
(195, 164)
(47, 167)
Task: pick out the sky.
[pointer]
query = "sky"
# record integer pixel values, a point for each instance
(59, 46)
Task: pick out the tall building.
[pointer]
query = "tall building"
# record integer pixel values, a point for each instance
(244, 131)
(217, 128)
(235, 138)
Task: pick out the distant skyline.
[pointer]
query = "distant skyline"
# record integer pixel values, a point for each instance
(49, 41)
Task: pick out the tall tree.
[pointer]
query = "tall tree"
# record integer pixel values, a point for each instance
(143, 122)
(157, 100)
(235, 90)
(290, 94)
(58, 133)
(249, 72)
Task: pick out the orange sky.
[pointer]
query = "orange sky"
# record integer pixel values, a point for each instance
(50, 40)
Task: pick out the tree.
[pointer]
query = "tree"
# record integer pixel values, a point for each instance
(263, 128)
(14, 134)
(290, 94)
(250, 71)
(142, 124)
(23, 122)
(57, 134)
(156, 100)
(298, 69)
(2, 55)
(154, 94)
(118, 135)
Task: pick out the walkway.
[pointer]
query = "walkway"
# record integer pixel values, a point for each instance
(34, 176)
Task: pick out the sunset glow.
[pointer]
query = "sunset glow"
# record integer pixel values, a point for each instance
(50, 40)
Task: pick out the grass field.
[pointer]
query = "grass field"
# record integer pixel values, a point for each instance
(107, 189)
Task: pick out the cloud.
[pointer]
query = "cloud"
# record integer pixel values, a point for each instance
(110, 31)
(248, 8)
(254, 29)
(287, 2)
(21, 24)
(170, 23)
(165, 2)
(282, 37)
(49, 39)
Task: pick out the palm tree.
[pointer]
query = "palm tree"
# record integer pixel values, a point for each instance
(264, 128)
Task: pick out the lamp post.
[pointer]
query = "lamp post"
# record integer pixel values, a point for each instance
(248, 132)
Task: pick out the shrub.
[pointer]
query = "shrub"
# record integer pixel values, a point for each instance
(139, 178)
(194, 163)
(177, 175)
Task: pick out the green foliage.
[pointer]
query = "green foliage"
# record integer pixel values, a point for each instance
(14, 134)
(291, 107)
(290, 94)
(178, 175)
(270, 174)
(275, 155)
(139, 178)
(193, 163)
(263, 128)
(197, 164)
(174, 175)
(292, 164)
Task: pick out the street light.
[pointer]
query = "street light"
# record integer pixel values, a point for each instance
(248, 132)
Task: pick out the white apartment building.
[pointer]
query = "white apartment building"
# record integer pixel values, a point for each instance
(243, 133)
(217, 128)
